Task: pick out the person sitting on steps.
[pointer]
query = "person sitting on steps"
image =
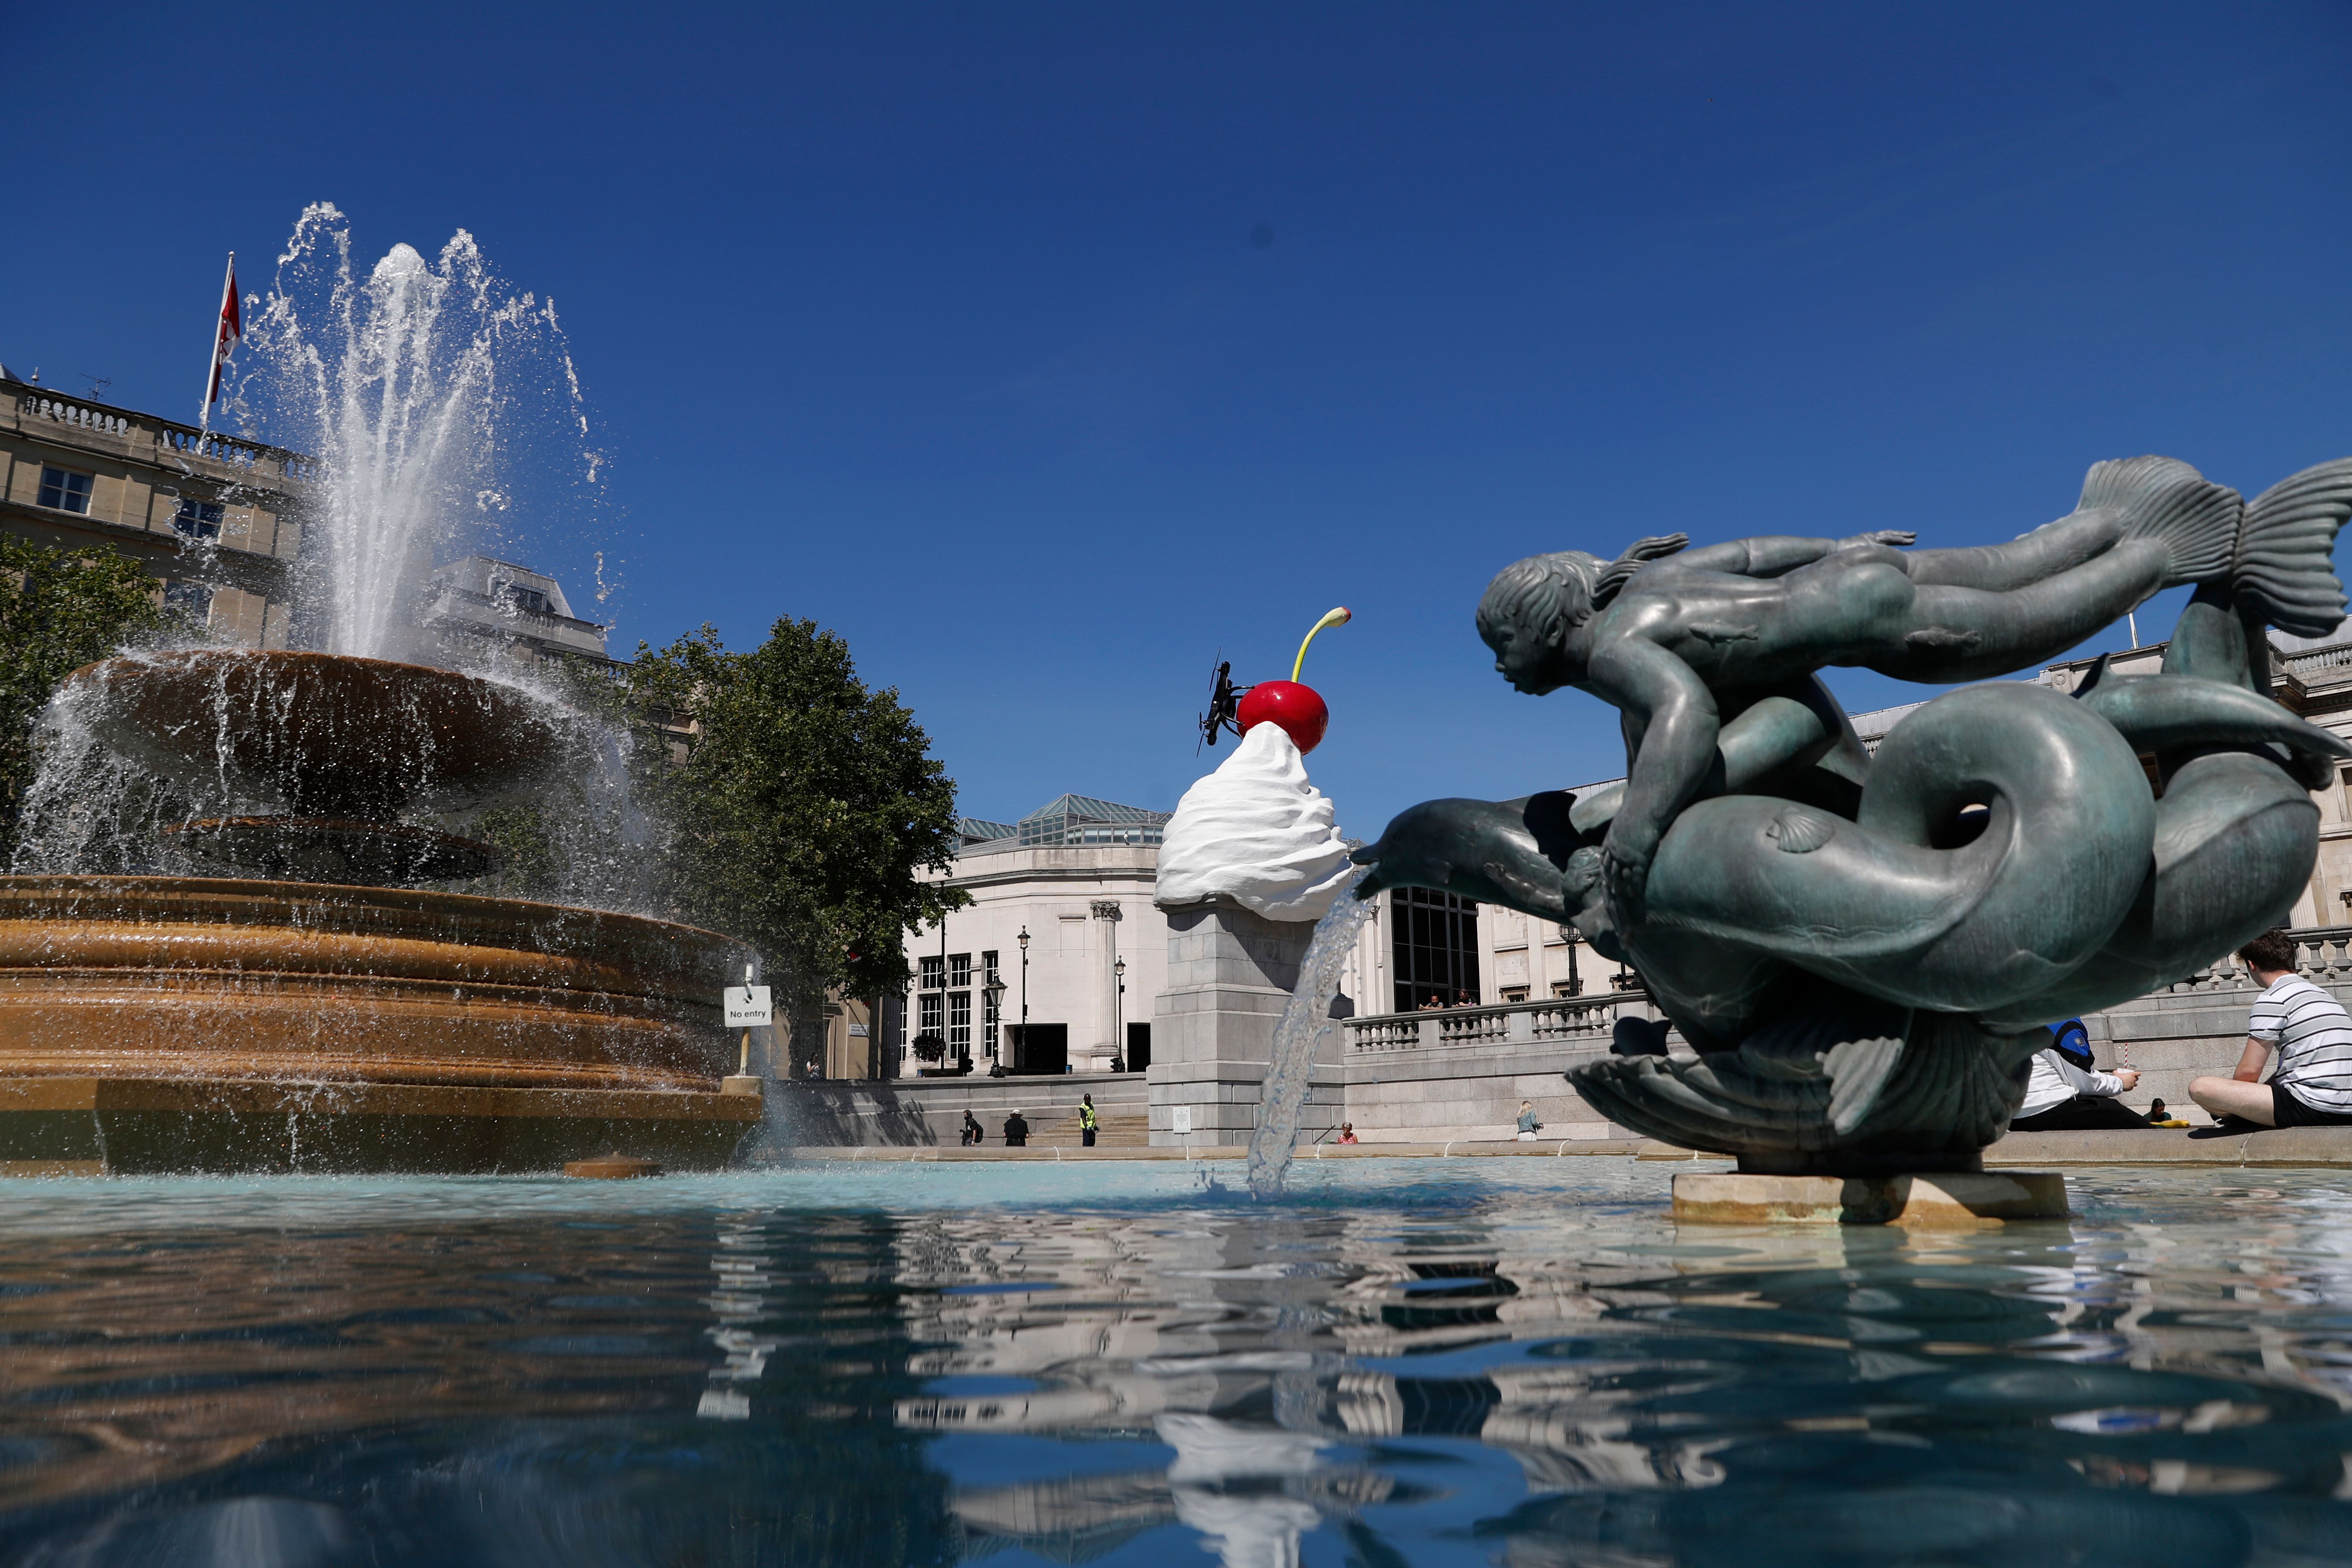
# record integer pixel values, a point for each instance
(2310, 1032)
(2066, 1094)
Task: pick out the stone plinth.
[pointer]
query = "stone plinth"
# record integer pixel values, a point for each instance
(1948, 1198)
(1230, 975)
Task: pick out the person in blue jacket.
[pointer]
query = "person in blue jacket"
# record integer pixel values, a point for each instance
(2066, 1094)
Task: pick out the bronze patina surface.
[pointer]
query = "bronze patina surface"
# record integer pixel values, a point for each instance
(1861, 947)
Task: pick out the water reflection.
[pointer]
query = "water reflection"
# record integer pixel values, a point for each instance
(1406, 1366)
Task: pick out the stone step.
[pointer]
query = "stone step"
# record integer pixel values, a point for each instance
(1114, 1130)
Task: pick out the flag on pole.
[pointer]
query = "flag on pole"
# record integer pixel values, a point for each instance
(230, 325)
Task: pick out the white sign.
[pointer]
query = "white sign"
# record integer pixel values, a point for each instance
(1181, 1118)
(857, 1032)
(747, 1007)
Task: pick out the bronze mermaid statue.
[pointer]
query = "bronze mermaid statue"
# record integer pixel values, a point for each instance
(1862, 948)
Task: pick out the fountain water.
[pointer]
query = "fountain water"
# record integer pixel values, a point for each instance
(1307, 1023)
(340, 1017)
(433, 398)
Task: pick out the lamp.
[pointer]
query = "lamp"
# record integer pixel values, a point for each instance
(1022, 1040)
(1118, 1016)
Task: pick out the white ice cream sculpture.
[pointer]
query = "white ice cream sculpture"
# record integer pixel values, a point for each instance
(1255, 831)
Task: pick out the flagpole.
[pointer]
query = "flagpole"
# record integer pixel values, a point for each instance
(212, 371)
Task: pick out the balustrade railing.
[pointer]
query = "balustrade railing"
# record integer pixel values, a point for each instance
(1564, 1020)
(177, 440)
(2324, 954)
(2318, 659)
(60, 411)
(234, 451)
(1474, 1025)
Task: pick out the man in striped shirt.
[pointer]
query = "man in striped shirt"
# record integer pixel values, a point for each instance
(2313, 1037)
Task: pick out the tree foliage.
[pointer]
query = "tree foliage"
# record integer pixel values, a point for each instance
(59, 611)
(800, 805)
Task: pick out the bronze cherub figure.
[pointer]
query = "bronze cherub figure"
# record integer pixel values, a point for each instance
(1860, 948)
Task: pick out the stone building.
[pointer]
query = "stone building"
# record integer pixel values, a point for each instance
(217, 521)
(1076, 875)
(214, 518)
(479, 605)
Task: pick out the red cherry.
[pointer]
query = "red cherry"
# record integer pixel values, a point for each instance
(1298, 708)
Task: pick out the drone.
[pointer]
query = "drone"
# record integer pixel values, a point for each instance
(1224, 706)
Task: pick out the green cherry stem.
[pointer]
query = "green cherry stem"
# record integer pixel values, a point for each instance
(1339, 617)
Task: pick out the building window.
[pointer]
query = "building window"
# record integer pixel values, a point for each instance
(932, 968)
(988, 968)
(1436, 946)
(194, 600)
(515, 596)
(1515, 993)
(958, 970)
(959, 1022)
(65, 490)
(988, 1022)
(1564, 988)
(930, 1002)
(197, 519)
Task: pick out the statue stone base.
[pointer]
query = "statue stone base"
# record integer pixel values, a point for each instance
(1952, 1199)
(1230, 975)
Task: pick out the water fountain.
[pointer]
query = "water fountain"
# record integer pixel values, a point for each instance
(249, 977)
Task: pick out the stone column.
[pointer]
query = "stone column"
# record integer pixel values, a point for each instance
(1230, 975)
(1104, 1046)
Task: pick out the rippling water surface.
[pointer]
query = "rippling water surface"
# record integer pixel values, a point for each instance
(1471, 1362)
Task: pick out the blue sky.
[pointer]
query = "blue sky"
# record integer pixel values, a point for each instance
(1044, 351)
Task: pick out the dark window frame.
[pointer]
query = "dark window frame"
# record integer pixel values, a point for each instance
(1433, 946)
(57, 491)
(196, 518)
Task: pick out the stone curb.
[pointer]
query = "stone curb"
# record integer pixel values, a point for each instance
(2268, 1148)
(1460, 1149)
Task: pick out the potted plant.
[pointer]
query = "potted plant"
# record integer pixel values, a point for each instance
(932, 1049)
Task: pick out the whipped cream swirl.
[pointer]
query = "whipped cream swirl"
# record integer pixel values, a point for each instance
(1256, 832)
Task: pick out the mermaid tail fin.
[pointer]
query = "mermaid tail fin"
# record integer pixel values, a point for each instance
(2164, 498)
(2284, 569)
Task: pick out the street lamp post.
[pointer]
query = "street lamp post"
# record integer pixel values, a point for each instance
(995, 991)
(1570, 934)
(1118, 1015)
(1024, 940)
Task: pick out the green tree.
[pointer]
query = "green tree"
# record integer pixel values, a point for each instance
(800, 805)
(59, 611)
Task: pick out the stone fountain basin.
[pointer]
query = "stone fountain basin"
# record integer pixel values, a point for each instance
(158, 977)
(326, 735)
(160, 1023)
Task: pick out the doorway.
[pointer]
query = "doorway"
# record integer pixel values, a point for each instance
(1039, 1049)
